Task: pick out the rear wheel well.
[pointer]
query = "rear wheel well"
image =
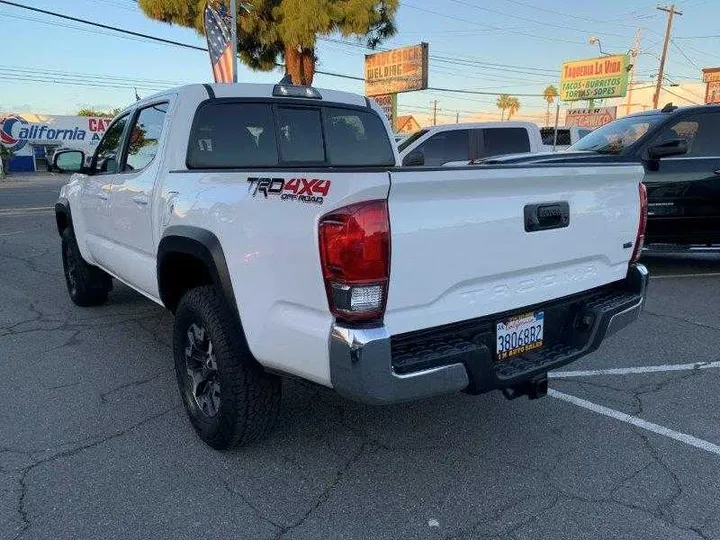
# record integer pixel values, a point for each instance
(178, 273)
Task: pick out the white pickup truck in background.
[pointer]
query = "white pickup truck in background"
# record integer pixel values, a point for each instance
(439, 145)
(274, 223)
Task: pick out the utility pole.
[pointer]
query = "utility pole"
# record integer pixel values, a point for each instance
(635, 52)
(457, 117)
(435, 110)
(671, 11)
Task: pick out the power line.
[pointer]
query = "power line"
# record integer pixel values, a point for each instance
(195, 47)
(439, 14)
(681, 97)
(589, 19)
(105, 26)
(679, 49)
(534, 21)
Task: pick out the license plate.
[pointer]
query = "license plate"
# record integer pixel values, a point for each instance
(519, 334)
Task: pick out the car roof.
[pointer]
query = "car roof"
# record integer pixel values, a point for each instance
(253, 90)
(677, 110)
(474, 125)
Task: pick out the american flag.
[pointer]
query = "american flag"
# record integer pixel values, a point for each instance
(217, 31)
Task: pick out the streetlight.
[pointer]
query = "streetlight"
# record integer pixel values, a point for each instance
(593, 40)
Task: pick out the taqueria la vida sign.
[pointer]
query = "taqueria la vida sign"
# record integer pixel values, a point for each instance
(594, 78)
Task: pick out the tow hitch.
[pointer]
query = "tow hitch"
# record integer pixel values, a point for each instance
(533, 388)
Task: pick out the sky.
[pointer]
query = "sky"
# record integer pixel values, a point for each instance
(511, 46)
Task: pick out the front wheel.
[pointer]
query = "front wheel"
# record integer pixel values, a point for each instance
(228, 396)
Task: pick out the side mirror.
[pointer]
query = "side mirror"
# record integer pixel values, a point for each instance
(673, 147)
(414, 159)
(69, 161)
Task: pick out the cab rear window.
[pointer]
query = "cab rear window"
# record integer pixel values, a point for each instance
(231, 134)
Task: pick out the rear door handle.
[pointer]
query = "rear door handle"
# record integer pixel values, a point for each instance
(141, 199)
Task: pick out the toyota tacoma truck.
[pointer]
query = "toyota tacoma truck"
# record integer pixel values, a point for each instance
(277, 226)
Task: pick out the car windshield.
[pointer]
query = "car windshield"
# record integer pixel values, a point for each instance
(615, 137)
(411, 139)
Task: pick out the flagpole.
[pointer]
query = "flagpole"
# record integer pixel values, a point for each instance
(233, 38)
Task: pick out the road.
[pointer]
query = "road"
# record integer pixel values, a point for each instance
(95, 443)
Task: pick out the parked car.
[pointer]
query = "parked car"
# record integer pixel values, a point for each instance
(680, 150)
(566, 137)
(265, 217)
(458, 144)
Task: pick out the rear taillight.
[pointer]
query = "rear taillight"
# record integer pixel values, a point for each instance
(640, 240)
(355, 258)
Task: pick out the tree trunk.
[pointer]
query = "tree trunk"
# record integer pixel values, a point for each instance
(547, 115)
(502, 114)
(300, 65)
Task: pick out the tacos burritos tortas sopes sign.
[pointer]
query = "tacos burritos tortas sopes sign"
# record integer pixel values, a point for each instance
(594, 78)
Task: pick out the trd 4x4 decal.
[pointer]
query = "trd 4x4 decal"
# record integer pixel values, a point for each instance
(307, 190)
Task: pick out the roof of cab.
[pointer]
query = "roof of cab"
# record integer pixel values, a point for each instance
(252, 90)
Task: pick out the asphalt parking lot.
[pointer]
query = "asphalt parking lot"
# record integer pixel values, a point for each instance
(94, 442)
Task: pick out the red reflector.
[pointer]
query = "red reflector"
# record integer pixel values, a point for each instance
(640, 240)
(355, 258)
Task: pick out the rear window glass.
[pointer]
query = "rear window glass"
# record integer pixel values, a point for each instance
(500, 141)
(227, 135)
(548, 136)
(240, 135)
(301, 137)
(356, 138)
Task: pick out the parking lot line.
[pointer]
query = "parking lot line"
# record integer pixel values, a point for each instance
(670, 276)
(637, 422)
(633, 370)
(21, 232)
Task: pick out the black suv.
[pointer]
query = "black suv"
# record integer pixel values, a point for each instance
(683, 186)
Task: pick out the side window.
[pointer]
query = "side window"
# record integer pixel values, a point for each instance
(107, 155)
(301, 138)
(232, 135)
(701, 133)
(499, 141)
(145, 137)
(446, 146)
(357, 138)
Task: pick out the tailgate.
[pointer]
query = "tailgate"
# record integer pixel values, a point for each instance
(460, 248)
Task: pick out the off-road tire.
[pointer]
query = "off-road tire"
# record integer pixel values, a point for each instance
(249, 398)
(87, 284)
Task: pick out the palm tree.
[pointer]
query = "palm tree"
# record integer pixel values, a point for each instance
(549, 94)
(513, 106)
(503, 103)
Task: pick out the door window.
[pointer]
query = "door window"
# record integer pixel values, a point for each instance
(107, 155)
(145, 137)
(701, 133)
(499, 141)
(446, 146)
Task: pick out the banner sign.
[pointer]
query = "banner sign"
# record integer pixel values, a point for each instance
(16, 131)
(594, 78)
(388, 103)
(711, 75)
(590, 118)
(712, 93)
(399, 70)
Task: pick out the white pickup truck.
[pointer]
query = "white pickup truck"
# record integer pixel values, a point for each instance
(274, 223)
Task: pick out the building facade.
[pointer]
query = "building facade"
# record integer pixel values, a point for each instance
(34, 138)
